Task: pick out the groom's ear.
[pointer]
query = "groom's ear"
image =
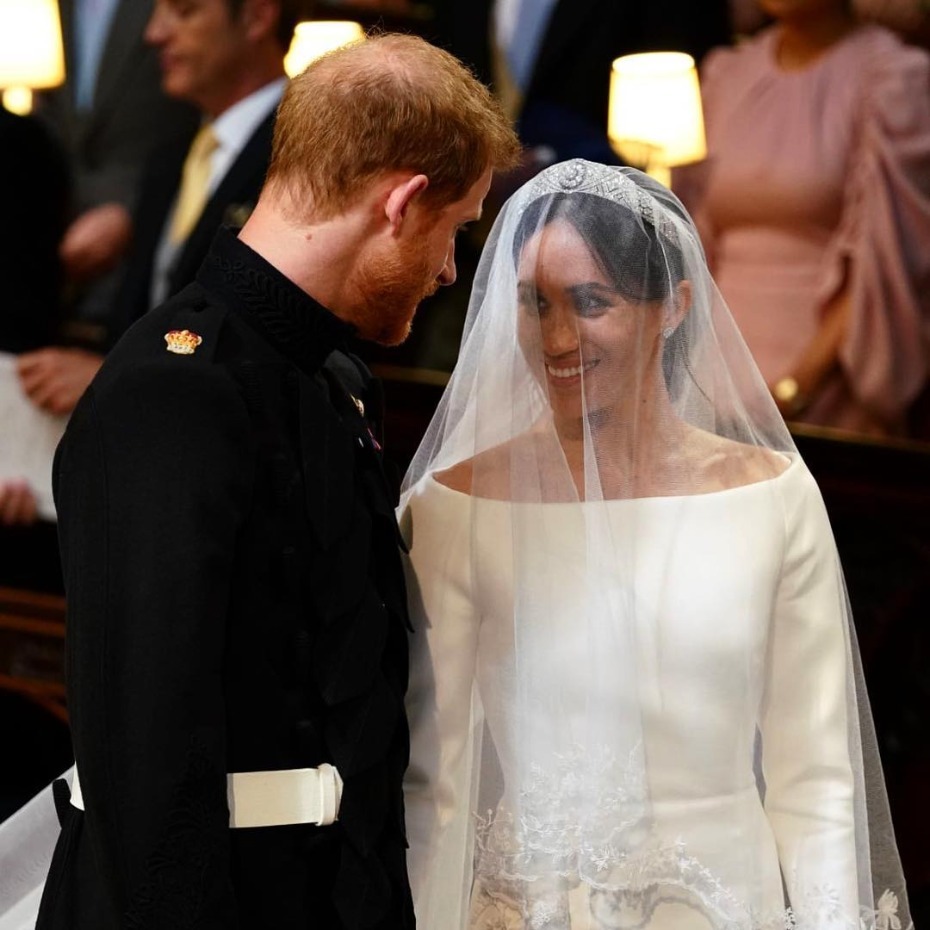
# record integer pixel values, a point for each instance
(400, 197)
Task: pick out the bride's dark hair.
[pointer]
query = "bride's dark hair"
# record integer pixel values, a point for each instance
(641, 265)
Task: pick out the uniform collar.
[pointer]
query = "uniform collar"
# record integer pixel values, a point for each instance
(299, 327)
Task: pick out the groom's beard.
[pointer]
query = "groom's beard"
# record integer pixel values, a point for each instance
(391, 287)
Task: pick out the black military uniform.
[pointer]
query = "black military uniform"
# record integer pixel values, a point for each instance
(235, 604)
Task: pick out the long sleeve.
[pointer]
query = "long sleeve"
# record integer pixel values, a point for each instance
(878, 251)
(442, 708)
(152, 483)
(807, 721)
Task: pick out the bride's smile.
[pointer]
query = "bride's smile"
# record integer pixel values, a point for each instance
(598, 347)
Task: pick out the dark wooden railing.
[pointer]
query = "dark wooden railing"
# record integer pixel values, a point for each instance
(32, 635)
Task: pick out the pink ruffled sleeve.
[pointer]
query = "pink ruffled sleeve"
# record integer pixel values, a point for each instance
(884, 235)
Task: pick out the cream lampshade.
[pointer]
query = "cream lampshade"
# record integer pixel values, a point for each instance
(316, 38)
(31, 54)
(655, 119)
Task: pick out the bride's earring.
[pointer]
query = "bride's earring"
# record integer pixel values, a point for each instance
(667, 332)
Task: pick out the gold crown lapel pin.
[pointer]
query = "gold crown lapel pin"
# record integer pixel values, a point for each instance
(182, 341)
(359, 405)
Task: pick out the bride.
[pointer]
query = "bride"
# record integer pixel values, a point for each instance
(635, 695)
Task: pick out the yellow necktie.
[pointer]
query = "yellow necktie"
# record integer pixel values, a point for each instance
(194, 182)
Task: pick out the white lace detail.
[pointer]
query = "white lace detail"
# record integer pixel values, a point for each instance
(885, 917)
(578, 814)
(581, 827)
(512, 906)
(820, 909)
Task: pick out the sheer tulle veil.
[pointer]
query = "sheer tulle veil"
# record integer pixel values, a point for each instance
(635, 696)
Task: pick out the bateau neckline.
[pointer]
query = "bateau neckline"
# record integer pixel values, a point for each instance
(794, 463)
(829, 54)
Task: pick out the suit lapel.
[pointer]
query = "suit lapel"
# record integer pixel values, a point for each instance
(241, 182)
(161, 183)
(66, 12)
(122, 47)
(569, 18)
(64, 96)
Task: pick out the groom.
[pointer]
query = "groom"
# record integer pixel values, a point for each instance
(237, 628)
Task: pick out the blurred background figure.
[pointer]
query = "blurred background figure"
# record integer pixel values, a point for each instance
(30, 269)
(814, 206)
(30, 160)
(110, 115)
(225, 57)
(552, 61)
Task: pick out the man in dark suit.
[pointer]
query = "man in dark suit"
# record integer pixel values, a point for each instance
(226, 58)
(566, 99)
(236, 85)
(236, 610)
(109, 116)
(558, 81)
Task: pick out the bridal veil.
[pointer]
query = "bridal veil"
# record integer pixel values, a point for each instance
(635, 695)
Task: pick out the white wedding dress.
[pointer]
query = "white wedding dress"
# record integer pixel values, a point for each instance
(739, 626)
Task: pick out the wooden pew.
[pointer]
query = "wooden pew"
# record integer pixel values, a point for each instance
(32, 654)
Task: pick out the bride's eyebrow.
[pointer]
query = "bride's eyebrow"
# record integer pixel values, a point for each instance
(591, 289)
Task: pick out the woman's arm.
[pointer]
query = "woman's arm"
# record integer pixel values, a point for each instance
(442, 709)
(820, 360)
(874, 304)
(808, 722)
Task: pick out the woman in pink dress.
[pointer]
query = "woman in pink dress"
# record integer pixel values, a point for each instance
(814, 204)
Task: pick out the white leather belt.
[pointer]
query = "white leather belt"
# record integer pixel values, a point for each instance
(273, 799)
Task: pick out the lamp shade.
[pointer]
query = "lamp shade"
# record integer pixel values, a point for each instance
(655, 116)
(31, 52)
(316, 38)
